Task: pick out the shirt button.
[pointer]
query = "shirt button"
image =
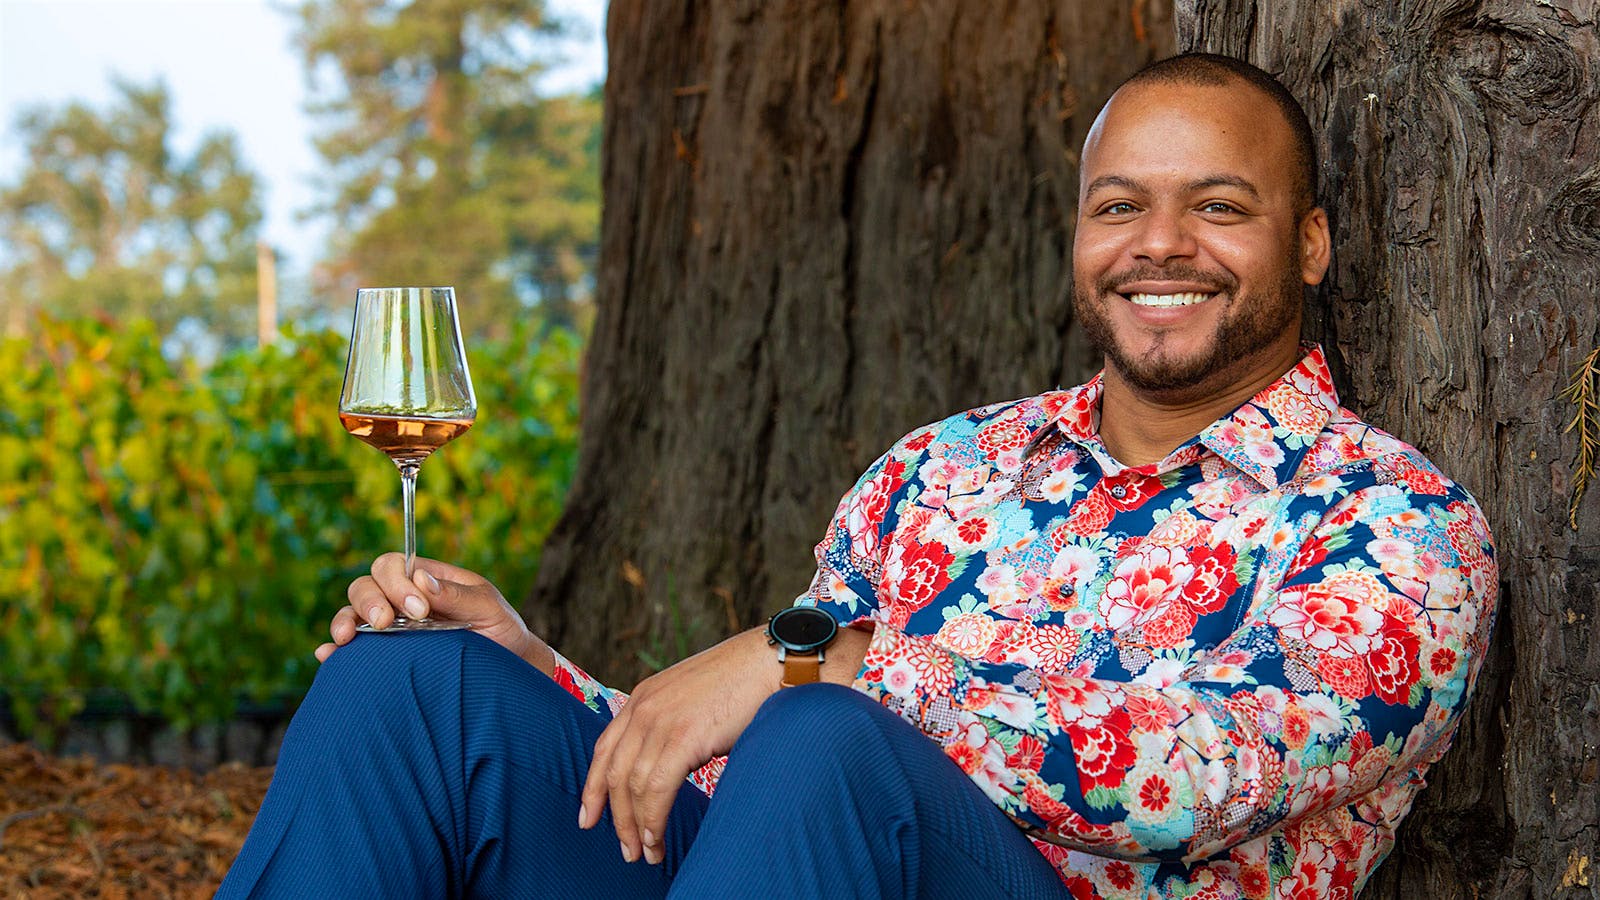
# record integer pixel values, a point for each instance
(1119, 491)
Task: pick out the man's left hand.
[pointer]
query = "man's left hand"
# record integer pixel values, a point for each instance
(673, 722)
(681, 717)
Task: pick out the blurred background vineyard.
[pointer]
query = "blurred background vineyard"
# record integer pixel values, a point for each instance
(179, 509)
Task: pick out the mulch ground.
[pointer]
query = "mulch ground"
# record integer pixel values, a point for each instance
(72, 828)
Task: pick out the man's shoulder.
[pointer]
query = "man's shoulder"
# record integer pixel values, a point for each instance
(1364, 455)
(1003, 426)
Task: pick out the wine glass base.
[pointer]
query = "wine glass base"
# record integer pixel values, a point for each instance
(402, 624)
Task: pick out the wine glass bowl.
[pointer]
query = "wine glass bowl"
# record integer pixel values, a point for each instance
(407, 392)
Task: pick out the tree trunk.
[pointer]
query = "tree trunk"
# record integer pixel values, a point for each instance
(825, 224)
(1461, 167)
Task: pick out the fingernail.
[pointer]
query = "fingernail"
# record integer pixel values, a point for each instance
(583, 815)
(627, 854)
(430, 582)
(372, 615)
(652, 853)
(416, 607)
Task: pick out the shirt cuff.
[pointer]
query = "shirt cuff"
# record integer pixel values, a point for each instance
(586, 687)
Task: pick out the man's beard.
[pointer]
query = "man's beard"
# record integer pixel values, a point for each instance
(1250, 325)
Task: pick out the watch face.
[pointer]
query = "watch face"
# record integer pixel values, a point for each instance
(803, 628)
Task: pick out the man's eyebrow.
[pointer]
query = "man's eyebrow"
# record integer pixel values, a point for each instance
(1116, 181)
(1199, 184)
(1234, 181)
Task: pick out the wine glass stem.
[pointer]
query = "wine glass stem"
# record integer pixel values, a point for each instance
(408, 497)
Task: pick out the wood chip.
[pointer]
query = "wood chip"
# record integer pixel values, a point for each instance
(71, 828)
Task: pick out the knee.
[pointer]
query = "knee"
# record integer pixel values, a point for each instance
(838, 742)
(374, 659)
(445, 682)
(819, 722)
(428, 667)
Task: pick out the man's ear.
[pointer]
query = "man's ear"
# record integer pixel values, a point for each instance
(1316, 246)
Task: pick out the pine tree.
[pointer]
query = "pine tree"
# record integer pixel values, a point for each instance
(446, 166)
(108, 217)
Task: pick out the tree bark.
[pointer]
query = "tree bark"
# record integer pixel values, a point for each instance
(825, 224)
(1461, 167)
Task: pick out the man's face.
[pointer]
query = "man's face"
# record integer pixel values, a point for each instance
(1189, 259)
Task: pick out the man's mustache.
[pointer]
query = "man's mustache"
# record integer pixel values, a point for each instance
(1216, 282)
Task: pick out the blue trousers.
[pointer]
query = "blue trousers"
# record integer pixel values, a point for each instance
(441, 765)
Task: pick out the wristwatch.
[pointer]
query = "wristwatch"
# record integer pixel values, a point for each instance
(801, 633)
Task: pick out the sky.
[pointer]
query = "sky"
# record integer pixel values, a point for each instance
(228, 64)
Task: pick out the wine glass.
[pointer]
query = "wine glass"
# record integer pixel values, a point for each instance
(407, 392)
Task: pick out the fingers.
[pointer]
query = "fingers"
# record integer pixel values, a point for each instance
(603, 786)
(387, 592)
(622, 811)
(444, 571)
(606, 784)
(369, 603)
(677, 719)
(652, 788)
(343, 627)
(448, 598)
(399, 592)
(434, 589)
(593, 800)
(637, 773)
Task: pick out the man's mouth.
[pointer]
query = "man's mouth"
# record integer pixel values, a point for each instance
(1168, 300)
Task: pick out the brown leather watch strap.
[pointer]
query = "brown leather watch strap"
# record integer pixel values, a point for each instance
(801, 668)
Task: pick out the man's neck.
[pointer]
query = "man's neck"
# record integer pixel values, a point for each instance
(1140, 428)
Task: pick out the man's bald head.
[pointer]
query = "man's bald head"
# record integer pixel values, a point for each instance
(1213, 70)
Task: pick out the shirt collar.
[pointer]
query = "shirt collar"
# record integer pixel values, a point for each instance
(1266, 438)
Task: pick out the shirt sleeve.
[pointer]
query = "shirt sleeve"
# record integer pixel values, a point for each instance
(851, 554)
(1343, 679)
(588, 689)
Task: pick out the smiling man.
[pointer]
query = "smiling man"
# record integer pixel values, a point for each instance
(1189, 630)
(1197, 230)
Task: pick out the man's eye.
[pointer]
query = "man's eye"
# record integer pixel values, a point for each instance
(1220, 208)
(1116, 209)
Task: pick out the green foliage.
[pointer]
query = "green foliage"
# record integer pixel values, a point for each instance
(180, 538)
(108, 216)
(436, 138)
(659, 656)
(1583, 392)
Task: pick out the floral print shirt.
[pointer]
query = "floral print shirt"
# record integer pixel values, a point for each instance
(1220, 676)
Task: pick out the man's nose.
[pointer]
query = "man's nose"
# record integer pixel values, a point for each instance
(1163, 235)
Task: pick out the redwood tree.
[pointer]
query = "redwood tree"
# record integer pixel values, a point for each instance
(824, 225)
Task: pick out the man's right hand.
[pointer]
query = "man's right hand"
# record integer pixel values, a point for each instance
(439, 590)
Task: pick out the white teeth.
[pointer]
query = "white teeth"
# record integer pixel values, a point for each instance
(1168, 299)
